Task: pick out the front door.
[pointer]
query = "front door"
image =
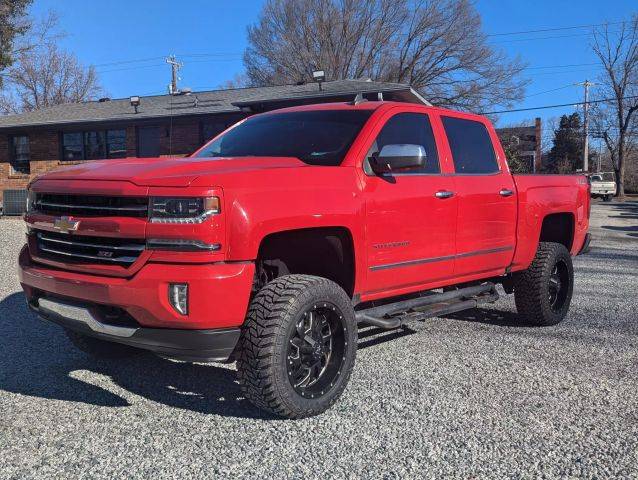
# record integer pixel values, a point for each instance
(410, 229)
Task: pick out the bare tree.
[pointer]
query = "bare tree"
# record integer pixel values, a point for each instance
(47, 76)
(13, 24)
(239, 80)
(616, 121)
(437, 46)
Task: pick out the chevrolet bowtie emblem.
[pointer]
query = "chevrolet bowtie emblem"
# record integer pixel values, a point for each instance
(66, 224)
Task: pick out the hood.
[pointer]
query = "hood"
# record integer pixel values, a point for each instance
(167, 172)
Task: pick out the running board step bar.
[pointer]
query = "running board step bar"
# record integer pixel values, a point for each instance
(394, 315)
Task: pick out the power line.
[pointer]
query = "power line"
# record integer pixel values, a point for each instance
(562, 72)
(571, 104)
(555, 29)
(149, 59)
(542, 38)
(548, 91)
(211, 54)
(124, 62)
(136, 67)
(562, 66)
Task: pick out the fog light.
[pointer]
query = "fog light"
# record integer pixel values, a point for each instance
(178, 297)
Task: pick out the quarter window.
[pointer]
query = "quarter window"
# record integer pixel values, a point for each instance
(93, 145)
(20, 155)
(412, 129)
(471, 146)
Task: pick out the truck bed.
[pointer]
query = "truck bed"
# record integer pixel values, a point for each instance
(542, 195)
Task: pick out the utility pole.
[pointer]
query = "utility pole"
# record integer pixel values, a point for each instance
(175, 66)
(586, 84)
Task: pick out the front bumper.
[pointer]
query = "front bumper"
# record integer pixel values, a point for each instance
(218, 292)
(215, 345)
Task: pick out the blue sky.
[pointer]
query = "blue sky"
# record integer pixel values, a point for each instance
(209, 36)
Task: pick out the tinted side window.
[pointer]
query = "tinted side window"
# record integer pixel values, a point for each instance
(471, 146)
(413, 129)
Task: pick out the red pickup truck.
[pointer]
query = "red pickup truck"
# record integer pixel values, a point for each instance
(272, 243)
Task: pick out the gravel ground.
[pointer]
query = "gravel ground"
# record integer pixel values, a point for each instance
(471, 395)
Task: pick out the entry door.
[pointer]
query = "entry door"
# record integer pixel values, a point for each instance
(148, 142)
(410, 229)
(486, 225)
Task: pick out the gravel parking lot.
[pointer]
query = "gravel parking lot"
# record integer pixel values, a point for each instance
(472, 395)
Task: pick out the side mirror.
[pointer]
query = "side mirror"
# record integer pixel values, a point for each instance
(398, 157)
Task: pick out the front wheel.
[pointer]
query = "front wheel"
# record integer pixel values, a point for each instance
(543, 292)
(298, 346)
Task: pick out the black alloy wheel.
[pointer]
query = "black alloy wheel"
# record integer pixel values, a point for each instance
(558, 286)
(298, 346)
(316, 350)
(543, 292)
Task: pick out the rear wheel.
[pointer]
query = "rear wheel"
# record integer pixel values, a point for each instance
(607, 198)
(99, 348)
(298, 346)
(543, 292)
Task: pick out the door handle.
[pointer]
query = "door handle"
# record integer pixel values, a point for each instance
(506, 192)
(444, 194)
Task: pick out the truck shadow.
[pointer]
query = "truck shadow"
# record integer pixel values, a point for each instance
(499, 318)
(371, 336)
(37, 360)
(626, 211)
(630, 230)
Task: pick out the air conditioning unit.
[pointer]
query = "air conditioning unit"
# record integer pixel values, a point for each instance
(15, 202)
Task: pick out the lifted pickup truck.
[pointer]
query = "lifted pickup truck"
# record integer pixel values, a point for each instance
(271, 244)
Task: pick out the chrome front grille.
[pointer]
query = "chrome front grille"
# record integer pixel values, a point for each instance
(82, 249)
(90, 205)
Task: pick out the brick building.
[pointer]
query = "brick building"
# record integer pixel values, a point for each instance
(526, 141)
(35, 142)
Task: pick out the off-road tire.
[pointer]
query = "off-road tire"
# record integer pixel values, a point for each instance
(101, 349)
(531, 288)
(262, 358)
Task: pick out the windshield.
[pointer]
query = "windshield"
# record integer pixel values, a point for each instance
(318, 137)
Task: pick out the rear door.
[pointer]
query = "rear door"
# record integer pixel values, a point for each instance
(486, 222)
(410, 230)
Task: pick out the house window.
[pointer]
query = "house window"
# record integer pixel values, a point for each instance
(20, 155)
(72, 147)
(93, 145)
(116, 143)
(211, 129)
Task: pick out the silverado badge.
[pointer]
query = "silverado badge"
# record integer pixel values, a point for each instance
(66, 224)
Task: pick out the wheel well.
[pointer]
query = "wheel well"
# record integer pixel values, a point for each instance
(324, 252)
(558, 228)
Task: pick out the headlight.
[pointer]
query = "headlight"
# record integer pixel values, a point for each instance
(183, 210)
(31, 197)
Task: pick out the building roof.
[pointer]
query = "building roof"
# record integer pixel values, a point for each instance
(208, 102)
